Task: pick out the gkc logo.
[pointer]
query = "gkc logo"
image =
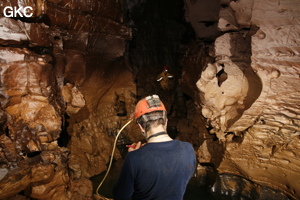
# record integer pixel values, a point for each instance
(10, 11)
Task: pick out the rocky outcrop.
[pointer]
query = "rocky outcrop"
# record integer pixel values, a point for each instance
(249, 94)
(59, 93)
(33, 117)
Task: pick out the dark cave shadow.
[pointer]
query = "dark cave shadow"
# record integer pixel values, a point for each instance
(254, 91)
(241, 49)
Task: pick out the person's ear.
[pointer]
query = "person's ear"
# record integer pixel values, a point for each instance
(142, 129)
(166, 124)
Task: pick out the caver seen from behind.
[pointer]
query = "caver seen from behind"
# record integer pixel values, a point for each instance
(159, 169)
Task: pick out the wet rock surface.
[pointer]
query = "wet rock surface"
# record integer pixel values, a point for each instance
(256, 117)
(234, 187)
(55, 70)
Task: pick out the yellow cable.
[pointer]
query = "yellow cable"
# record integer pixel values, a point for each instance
(112, 155)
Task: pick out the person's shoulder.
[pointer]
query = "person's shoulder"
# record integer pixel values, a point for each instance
(136, 153)
(184, 144)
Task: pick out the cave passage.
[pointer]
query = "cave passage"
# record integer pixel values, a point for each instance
(227, 72)
(159, 34)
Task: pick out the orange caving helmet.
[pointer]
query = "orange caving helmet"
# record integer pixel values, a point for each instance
(147, 105)
(166, 68)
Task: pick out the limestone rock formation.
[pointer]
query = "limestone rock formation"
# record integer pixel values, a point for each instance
(58, 96)
(249, 94)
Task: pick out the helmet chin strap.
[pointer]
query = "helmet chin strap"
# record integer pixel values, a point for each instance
(144, 134)
(157, 134)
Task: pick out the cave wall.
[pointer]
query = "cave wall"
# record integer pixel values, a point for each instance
(68, 85)
(249, 94)
(66, 89)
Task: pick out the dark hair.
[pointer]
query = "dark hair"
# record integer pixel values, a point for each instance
(152, 119)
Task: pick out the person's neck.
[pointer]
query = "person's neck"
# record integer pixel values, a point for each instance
(159, 138)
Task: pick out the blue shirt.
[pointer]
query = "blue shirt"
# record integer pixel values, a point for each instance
(157, 171)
